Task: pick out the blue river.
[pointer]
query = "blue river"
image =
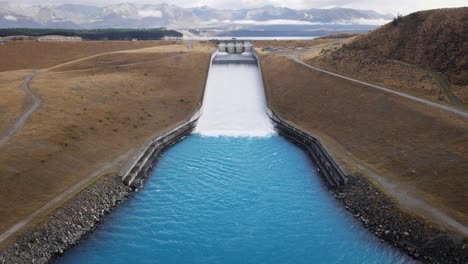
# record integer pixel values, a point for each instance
(232, 200)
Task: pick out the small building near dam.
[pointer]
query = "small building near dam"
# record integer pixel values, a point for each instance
(58, 38)
(235, 46)
(235, 52)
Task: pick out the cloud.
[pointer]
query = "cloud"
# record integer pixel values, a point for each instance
(269, 22)
(11, 18)
(383, 6)
(363, 21)
(149, 13)
(360, 21)
(399, 6)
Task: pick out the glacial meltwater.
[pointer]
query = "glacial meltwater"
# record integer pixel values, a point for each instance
(234, 192)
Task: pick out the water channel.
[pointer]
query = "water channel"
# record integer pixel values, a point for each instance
(233, 192)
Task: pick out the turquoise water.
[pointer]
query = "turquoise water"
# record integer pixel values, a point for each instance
(233, 193)
(232, 200)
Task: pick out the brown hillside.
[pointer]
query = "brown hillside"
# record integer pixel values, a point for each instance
(40, 55)
(427, 41)
(421, 150)
(434, 39)
(91, 119)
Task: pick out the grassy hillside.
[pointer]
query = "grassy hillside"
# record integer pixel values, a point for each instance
(434, 39)
(413, 47)
(95, 112)
(420, 149)
(38, 55)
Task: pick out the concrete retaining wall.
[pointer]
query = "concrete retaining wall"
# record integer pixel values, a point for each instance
(146, 157)
(235, 59)
(150, 154)
(327, 166)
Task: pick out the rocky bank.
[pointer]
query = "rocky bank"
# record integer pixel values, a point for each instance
(381, 216)
(67, 225)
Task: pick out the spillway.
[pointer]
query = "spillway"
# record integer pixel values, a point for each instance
(234, 192)
(234, 103)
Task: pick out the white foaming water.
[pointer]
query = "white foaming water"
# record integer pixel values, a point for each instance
(234, 103)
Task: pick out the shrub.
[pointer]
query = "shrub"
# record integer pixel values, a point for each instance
(397, 19)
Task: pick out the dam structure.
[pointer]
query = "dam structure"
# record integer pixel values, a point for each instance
(233, 191)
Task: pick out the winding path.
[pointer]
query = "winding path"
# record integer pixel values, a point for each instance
(36, 100)
(33, 105)
(19, 123)
(116, 65)
(414, 98)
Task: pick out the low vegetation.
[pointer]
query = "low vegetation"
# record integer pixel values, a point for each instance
(397, 20)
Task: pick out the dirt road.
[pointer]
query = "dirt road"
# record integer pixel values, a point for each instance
(34, 102)
(414, 98)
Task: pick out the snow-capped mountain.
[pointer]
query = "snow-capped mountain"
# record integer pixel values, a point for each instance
(127, 15)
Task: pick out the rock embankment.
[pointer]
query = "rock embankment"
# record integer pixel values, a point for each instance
(69, 224)
(381, 216)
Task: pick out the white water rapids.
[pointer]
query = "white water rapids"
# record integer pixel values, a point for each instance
(234, 103)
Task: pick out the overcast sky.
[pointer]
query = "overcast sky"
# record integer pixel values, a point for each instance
(387, 6)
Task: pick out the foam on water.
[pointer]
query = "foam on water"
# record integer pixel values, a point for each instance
(234, 103)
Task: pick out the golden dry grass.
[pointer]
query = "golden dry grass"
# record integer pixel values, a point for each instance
(289, 47)
(307, 49)
(12, 97)
(398, 76)
(39, 55)
(290, 43)
(129, 57)
(92, 116)
(111, 60)
(422, 149)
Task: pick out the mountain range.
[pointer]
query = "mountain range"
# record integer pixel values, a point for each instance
(128, 15)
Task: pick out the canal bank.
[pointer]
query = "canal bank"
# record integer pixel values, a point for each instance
(352, 195)
(375, 209)
(232, 200)
(232, 192)
(77, 217)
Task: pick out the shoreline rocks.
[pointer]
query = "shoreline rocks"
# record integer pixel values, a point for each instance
(383, 218)
(378, 213)
(71, 223)
(67, 225)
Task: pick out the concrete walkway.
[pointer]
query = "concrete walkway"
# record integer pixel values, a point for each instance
(387, 90)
